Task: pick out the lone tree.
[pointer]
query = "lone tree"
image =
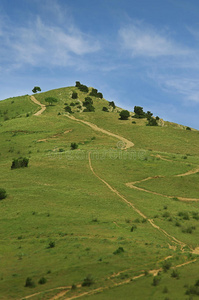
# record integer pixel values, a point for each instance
(51, 100)
(36, 89)
(139, 113)
(124, 115)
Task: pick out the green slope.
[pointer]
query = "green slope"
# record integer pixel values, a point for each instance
(89, 213)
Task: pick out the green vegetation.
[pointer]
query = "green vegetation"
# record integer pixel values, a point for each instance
(91, 211)
(124, 115)
(21, 162)
(3, 194)
(51, 100)
(36, 89)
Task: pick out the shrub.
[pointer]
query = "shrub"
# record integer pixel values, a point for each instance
(88, 281)
(95, 93)
(166, 214)
(133, 228)
(111, 103)
(81, 87)
(51, 244)
(156, 281)
(3, 194)
(68, 109)
(42, 280)
(72, 104)
(118, 251)
(74, 95)
(74, 146)
(188, 128)
(51, 100)
(166, 265)
(124, 115)
(184, 215)
(175, 274)
(104, 109)
(133, 122)
(21, 162)
(29, 282)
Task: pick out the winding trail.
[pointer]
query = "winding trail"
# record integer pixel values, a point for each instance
(133, 186)
(125, 144)
(171, 238)
(43, 107)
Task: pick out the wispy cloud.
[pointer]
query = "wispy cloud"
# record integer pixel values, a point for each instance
(39, 43)
(143, 40)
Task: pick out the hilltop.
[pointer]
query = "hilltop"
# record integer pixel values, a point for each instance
(105, 206)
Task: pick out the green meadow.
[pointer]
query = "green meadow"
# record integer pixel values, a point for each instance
(85, 223)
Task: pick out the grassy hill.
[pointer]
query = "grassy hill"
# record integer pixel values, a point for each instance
(101, 221)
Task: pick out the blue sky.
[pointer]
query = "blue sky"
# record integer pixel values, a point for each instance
(143, 53)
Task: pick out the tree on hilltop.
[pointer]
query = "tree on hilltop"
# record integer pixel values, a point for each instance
(36, 89)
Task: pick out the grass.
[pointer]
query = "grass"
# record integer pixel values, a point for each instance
(58, 201)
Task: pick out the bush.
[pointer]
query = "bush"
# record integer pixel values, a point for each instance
(104, 109)
(74, 95)
(72, 104)
(184, 215)
(166, 265)
(51, 100)
(133, 228)
(124, 115)
(95, 93)
(36, 89)
(156, 281)
(188, 128)
(81, 87)
(74, 146)
(3, 194)
(51, 244)
(68, 109)
(175, 274)
(21, 162)
(111, 103)
(29, 282)
(88, 281)
(42, 280)
(118, 251)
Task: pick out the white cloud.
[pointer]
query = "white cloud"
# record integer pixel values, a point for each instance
(143, 40)
(40, 44)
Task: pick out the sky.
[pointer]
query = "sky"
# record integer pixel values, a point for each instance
(137, 53)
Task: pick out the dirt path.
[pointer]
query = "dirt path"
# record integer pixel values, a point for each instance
(125, 144)
(191, 172)
(43, 107)
(170, 237)
(131, 185)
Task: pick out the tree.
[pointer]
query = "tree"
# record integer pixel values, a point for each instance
(105, 108)
(68, 109)
(139, 113)
(124, 115)
(51, 100)
(36, 89)
(3, 194)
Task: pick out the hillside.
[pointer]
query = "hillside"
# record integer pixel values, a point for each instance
(116, 217)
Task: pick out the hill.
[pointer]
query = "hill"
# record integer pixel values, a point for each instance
(115, 218)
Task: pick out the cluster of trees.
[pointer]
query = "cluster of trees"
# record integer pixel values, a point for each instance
(88, 103)
(140, 114)
(95, 93)
(81, 87)
(21, 162)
